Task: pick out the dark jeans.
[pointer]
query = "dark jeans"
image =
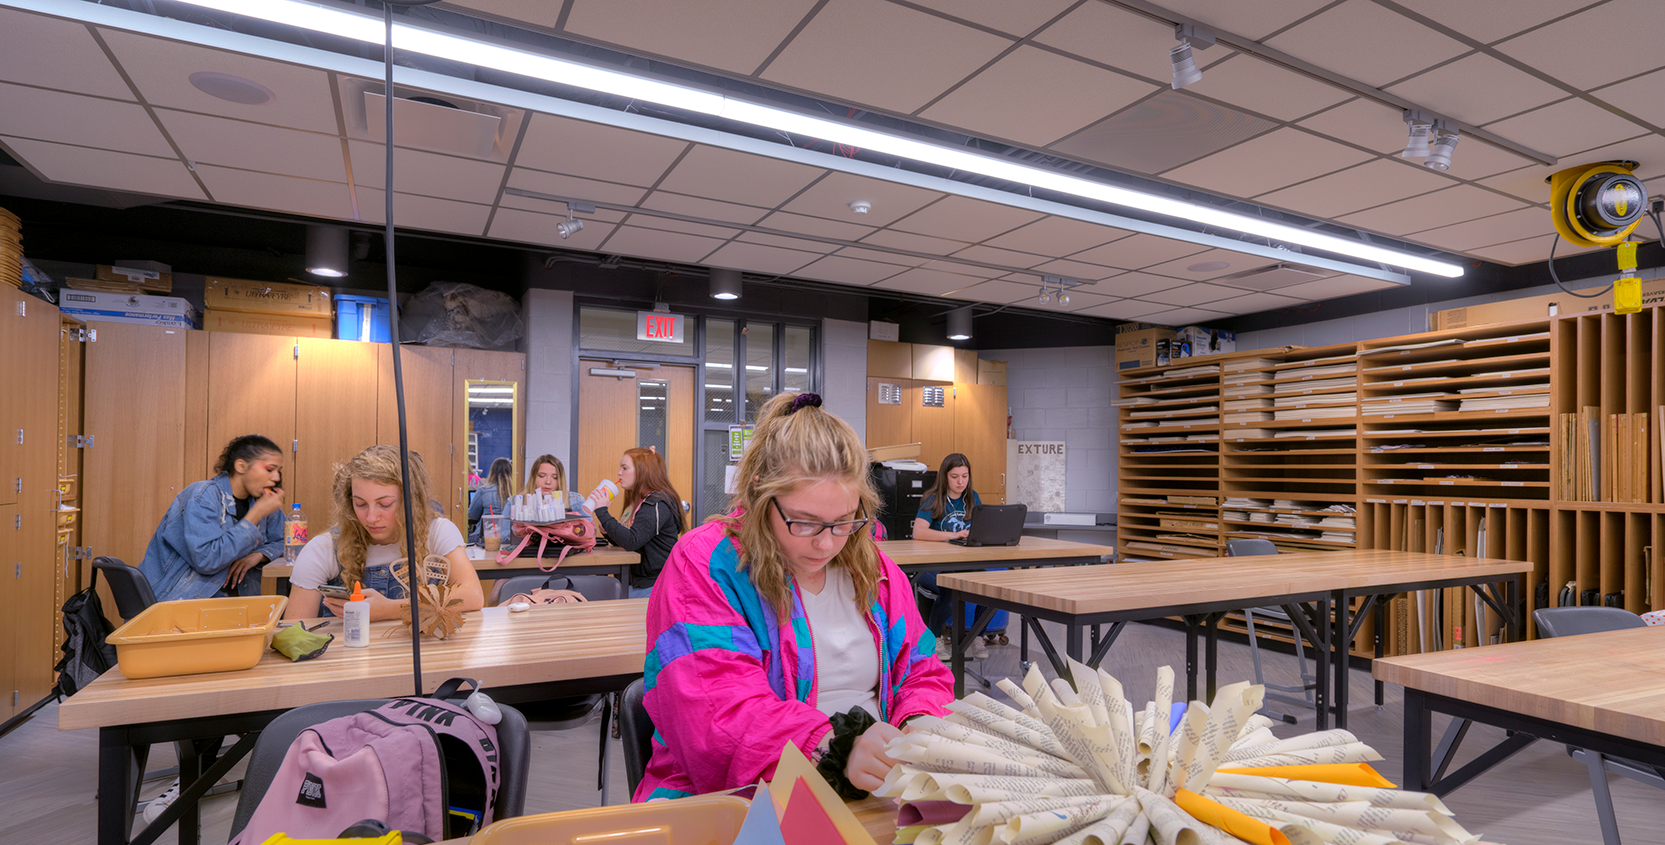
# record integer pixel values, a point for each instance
(943, 608)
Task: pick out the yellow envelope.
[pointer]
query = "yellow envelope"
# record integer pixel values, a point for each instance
(1346, 774)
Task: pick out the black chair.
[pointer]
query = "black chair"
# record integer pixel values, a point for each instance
(638, 734)
(1284, 693)
(1571, 621)
(565, 714)
(513, 742)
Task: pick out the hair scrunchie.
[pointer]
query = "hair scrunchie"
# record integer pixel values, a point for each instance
(804, 400)
(847, 727)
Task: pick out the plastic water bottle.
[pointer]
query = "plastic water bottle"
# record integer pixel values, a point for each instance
(356, 618)
(294, 533)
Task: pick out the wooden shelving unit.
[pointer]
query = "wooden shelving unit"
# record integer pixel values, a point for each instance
(1168, 421)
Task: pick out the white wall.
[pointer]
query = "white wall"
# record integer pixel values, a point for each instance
(844, 371)
(547, 343)
(1064, 394)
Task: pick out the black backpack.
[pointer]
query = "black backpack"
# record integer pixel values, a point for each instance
(86, 652)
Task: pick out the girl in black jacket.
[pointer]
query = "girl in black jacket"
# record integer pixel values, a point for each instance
(650, 518)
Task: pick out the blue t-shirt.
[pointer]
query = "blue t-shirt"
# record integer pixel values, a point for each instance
(955, 517)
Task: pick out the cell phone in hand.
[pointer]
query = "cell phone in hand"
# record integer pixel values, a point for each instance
(334, 592)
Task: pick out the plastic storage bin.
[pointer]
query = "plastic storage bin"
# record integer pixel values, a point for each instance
(197, 635)
(362, 318)
(700, 820)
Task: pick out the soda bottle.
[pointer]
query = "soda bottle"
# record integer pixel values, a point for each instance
(294, 533)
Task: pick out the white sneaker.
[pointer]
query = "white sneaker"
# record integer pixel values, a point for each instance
(161, 802)
(978, 649)
(945, 652)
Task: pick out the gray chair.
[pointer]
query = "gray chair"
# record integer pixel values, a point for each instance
(513, 742)
(637, 727)
(1569, 622)
(1284, 693)
(565, 714)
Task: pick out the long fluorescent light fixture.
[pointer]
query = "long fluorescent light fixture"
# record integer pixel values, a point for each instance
(352, 25)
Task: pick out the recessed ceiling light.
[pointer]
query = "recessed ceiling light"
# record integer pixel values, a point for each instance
(232, 89)
(1208, 266)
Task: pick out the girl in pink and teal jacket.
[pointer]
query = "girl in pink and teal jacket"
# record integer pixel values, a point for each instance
(782, 622)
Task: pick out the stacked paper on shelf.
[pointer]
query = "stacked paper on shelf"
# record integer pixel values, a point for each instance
(1139, 425)
(1407, 347)
(1246, 404)
(1338, 522)
(1295, 520)
(1499, 403)
(1177, 409)
(1131, 400)
(1338, 507)
(1243, 502)
(1260, 516)
(1310, 373)
(1244, 378)
(1202, 438)
(1320, 399)
(1174, 423)
(1187, 372)
(1336, 536)
(1322, 412)
(1419, 403)
(1241, 516)
(1242, 364)
(1319, 384)
(1318, 432)
(1245, 433)
(1248, 416)
(1235, 390)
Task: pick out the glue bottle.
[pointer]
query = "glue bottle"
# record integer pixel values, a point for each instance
(356, 615)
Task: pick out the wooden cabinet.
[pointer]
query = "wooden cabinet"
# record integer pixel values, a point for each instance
(334, 416)
(889, 360)
(251, 390)
(980, 434)
(971, 420)
(933, 424)
(430, 408)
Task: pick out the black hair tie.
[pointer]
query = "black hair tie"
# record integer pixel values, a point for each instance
(804, 400)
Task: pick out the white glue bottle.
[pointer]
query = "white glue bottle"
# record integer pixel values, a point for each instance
(356, 615)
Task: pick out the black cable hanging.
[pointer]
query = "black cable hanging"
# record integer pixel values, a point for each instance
(1653, 215)
(412, 567)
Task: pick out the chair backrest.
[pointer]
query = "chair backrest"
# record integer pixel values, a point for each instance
(1570, 621)
(514, 744)
(638, 734)
(1246, 547)
(591, 587)
(128, 586)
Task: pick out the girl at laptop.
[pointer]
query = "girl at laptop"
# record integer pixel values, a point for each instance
(945, 514)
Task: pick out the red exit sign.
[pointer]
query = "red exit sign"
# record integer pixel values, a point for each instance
(660, 326)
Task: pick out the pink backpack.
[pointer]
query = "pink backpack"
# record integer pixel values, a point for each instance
(576, 533)
(421, 765)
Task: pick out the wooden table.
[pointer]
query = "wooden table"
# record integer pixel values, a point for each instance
(934, 556)
(1601, 692)
(546, 652)
(601, 560)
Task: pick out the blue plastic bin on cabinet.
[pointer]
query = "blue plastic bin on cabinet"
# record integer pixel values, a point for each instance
(362, 318)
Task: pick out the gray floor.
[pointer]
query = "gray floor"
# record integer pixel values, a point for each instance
(1538, 797)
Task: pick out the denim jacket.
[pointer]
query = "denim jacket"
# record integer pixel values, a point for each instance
(199, 539)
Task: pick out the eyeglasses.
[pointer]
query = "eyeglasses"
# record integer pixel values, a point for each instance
(807, 528)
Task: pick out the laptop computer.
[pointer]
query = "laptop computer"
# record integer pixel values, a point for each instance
(994, 525)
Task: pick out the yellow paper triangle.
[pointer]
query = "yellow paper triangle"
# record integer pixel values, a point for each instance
(794, 766)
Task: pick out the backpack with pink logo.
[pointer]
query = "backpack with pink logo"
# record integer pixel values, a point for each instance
(576, 533)
(423, 766)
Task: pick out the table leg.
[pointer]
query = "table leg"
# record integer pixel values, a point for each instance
(1213, 653)
(1191, 625)
(190, 769)
(1321, 695)
(956, 648)
(1419, 724)
(1072, 645)
(1604, 798)
(1381, 642)
(1343, 654)
(1516, 619)
(120, 765)
(1023, 643)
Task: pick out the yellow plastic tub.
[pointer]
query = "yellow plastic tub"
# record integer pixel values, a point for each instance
(700, 820)
(197, 635)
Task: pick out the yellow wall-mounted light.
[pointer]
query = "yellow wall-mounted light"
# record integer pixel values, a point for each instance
(1597, 204)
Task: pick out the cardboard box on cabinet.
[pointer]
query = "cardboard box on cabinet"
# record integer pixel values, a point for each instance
(245, 322)
(223, 294)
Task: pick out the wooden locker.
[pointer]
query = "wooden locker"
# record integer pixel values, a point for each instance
(198, 460)
(980, 434)
(32, 613)
(335, 419)
(429, 408)
(251, 390)
(11, 412)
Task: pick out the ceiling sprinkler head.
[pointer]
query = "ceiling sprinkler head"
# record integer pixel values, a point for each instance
(861, 206)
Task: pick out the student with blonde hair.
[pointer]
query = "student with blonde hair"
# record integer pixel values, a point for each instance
(782, 622)
(369, 536)
(491, 500)
(546, 475)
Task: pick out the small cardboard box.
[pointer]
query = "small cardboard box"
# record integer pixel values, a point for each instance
(1537, 307)
(134, 308)
(991, 372)
(1140, 348)
(1196, 340)
(267, 297)
(145, 275)
(246, 322)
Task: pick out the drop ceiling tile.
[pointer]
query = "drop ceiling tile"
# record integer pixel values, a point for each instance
(1370, 184)
(1255, 303)
(819, 226)
(734, 35)
(927, 281)
(511, 224)
(1250, 20)
(1499, 228)
(1245, 82)
(725, 212)
(252, 146)
(583, 190)
(1056, 236)
(1563, 49)
(851, 271)
(1184, 317)
(882, 257)
(1478, 159)
(1013, 18)
(1440, 208)
(799, 244)
(1124, 309)
(965, 219)
(1395, 47)
(430, 213)
(1002, 257)
(654, 243)
(1565, 128)
(1001, 102)
(1197, 293)
(541, 206)
(85, 121)
(1529, 251)
(997, 292)
(913, 243)
(1639, 96)
(1487, 23)
(162, 72)
(1528, 182)
(758, 258)
(1278, 158)
(1161, 132)
(1116, 37)
(831, 198)
(1075, 270)
(594, 151)
(1276, 276)
(166, 177)
(732, 176)
(1135, 284)
(311, 197)
(1234, 262)
(429, 174)
(1335, 287)
(536, 12)
(1363, 122)
(1138, 251)
(672, 224)
(1080, 300)
(1477, 88)
(878, 54)
(57, 54)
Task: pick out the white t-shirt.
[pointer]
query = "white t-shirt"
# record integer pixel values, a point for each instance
(316, 564)
(846, 656)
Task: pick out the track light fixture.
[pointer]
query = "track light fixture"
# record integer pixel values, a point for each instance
(1420, 128)
(1432, 139)
(1445, 143)
(1185, 68)
(959, 323)
(725, 283)
(1061, 295)
(326, 251)
(573, 225)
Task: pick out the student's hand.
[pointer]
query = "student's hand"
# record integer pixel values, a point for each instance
(241, 567)
(597, 499)
(381, 607)
(269, 502)
(962, 534)
(869, 764)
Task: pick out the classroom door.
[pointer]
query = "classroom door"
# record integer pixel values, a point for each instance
(654, 406)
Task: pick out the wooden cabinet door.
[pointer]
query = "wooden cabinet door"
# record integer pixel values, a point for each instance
(980, 433)
(335, 419)
(12, 336)
(888, 425)
(428, 376)
(12, 549)
(933, 425)
(198, 459)
(134, 411)
(251, 390)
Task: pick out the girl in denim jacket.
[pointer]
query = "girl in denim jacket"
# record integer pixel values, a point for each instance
(218, 533)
